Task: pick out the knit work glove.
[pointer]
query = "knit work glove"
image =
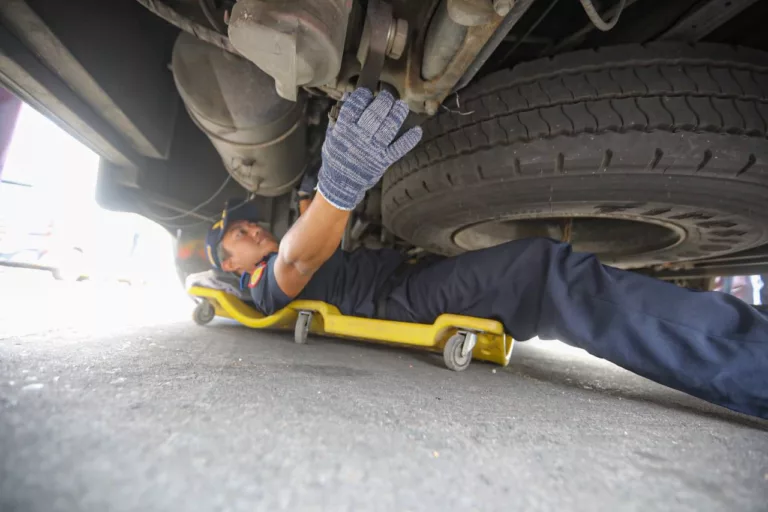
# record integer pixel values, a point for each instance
(359, 147)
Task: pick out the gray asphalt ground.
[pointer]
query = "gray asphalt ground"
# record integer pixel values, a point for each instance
(112, 400)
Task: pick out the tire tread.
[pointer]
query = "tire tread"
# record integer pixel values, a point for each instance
(655, 87)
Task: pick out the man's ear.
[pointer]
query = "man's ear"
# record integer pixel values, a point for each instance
(227, 266)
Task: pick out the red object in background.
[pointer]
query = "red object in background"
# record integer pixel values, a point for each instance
(9, 113)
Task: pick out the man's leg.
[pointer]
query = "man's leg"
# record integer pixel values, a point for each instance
(708, 344)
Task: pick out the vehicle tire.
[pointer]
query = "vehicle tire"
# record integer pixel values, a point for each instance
(655, 153)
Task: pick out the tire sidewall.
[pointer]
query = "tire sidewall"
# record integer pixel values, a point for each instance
(716, 211)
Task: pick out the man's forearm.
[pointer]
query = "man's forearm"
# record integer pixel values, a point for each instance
(304, 205)
(357, 150)
(314, 237)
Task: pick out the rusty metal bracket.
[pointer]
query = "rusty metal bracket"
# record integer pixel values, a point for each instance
(478, 45)
(376, 38)
(378, 18)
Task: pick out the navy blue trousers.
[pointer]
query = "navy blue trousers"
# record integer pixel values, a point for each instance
(708, 344)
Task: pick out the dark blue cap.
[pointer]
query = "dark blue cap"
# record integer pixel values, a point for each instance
(234, 210)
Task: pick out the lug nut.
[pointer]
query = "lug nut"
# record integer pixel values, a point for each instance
(396, 38)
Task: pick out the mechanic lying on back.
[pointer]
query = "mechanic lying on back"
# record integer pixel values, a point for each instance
(707, 344)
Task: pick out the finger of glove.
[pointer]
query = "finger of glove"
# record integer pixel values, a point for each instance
(354, 105)
(392, 123)
(404, 144)
(374, 115)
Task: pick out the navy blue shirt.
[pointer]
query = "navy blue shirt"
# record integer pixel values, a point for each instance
(348, 280)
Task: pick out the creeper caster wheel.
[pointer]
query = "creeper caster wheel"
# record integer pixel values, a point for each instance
(301, 330)
(204, 312)
(457, 353)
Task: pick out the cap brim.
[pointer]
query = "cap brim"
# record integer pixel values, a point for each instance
(235, 209)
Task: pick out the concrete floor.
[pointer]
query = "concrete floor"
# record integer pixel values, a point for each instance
(122, 404)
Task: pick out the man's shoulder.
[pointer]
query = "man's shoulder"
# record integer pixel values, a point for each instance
(265, 291)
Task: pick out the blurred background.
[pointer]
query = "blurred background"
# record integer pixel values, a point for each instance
(64, 260)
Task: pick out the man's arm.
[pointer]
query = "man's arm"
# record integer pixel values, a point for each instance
(304, 205)
(357, 150)
(308, 244)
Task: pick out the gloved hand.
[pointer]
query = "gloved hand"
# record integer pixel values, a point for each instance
(359, 147)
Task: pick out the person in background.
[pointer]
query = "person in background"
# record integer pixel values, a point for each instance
(738, 286)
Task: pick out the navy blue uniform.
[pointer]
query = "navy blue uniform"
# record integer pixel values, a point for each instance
(707, 344)
(348, 280)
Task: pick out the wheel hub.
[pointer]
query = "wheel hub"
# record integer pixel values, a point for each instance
(608, 238)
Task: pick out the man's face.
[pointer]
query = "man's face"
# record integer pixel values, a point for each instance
(245, 244)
